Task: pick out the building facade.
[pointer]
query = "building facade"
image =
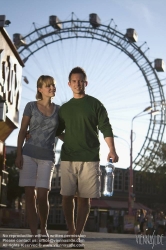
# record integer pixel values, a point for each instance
(10, 94)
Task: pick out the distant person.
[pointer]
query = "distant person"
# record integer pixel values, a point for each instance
(81, 117)
(161, 223)
(36, 158)
(143, 221)
(150, 223)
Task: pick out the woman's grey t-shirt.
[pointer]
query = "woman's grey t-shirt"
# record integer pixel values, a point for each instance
(42, 133)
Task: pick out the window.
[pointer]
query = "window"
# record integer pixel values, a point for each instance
(59, 181)
(56, 179)
(53, 182)
(51, 199)
(118, 180)
(126, 181)
(138, 183)
(58, 216)
(147, 188)
(58, 201)
(51, 216)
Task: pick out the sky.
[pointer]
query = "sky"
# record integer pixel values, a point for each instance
(113, 78)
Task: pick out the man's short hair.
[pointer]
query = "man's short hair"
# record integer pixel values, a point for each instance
(77, 70)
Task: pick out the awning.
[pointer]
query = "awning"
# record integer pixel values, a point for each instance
(99, 203)
(141, 206)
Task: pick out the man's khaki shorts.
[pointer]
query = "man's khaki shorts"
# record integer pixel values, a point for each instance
(81, 179)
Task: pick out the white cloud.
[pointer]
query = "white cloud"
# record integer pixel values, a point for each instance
(142, 10)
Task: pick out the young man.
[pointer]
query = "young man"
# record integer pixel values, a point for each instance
(81, 118)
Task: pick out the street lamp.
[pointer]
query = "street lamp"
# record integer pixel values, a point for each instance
(131, 195)
(115, 136)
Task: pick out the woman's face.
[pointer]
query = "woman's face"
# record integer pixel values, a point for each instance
(47, 90)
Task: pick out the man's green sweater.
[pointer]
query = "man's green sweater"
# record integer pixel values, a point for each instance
(81, 119)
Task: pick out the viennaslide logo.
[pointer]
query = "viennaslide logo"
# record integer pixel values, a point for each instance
(150, 239)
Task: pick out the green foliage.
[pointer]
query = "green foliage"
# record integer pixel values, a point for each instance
(154, 171)
(161, 164)
(158, 163)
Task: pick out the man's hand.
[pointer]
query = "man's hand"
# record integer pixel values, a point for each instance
(19, 161)
(113, 155)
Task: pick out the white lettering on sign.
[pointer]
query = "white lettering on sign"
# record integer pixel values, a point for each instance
(5, 74)
(17, 85)
(10, 81)
(1, 54)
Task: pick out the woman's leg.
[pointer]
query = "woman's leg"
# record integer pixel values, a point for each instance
(31, 210)
(28, 181)
(43, 184)
(43, 208)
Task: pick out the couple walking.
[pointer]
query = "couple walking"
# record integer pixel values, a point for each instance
(76, 123)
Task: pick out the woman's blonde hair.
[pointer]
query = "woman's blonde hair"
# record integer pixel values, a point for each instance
(48, 80)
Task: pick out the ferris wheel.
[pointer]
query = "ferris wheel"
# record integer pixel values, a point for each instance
(118, 68)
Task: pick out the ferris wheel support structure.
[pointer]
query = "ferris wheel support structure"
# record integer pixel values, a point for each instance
(74, 29)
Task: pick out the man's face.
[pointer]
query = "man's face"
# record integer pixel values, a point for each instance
(77, 84)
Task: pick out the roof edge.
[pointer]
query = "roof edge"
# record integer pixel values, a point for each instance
(13, 48)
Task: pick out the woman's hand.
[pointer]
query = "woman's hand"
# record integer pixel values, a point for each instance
(27, 136)
(19, 161)
(21, 137)
(61, 136)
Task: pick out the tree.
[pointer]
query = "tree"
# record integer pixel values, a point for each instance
(160, 160)
(154, 171)
(158, 163)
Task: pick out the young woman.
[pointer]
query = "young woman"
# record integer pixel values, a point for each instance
(36, 158)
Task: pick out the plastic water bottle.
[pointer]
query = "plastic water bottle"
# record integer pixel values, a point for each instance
(109, 179)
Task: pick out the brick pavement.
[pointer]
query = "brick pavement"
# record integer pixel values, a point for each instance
(93, 240)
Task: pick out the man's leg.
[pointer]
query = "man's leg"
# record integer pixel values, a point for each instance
(83, 209)
(88, 186)
(68, 209)
(68, 190)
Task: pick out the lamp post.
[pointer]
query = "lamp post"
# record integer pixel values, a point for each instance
(130, 198)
